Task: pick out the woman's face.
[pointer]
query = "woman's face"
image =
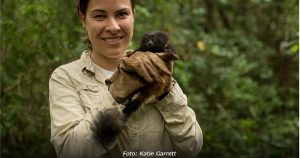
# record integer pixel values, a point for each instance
(109, 24)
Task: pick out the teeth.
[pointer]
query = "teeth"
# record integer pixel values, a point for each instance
(111, 39)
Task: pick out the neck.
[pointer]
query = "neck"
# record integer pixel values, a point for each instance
(106, 63)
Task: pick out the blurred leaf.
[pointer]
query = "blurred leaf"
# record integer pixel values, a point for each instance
(201, 46)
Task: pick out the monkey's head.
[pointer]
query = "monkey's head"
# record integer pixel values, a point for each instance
(154, 41)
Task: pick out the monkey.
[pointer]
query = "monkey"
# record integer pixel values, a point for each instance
(154, 42)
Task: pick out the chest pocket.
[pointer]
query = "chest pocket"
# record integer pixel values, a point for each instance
(90, 95)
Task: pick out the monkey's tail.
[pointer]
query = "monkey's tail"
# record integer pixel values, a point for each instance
(108, 125)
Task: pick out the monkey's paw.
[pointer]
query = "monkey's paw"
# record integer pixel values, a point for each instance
(169, 52)
(171, 55)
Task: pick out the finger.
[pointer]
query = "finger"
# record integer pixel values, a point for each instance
(159, 63)
(152, 70)
(138, 67)
(143, 72)
(127, 64)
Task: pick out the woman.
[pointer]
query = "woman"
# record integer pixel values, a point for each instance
(77, 94)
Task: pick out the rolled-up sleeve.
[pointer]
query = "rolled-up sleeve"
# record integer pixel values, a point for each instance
(181, 123)
(71, 125)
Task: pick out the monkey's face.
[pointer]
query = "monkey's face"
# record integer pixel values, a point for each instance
(154, 41)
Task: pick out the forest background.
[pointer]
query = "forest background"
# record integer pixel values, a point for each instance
(238, 67)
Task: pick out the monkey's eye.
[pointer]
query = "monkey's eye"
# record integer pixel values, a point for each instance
(157, 41)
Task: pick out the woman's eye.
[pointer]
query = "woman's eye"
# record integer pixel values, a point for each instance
(122, 14)
(99, 17)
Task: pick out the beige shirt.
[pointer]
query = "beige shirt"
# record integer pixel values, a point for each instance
(77, 93)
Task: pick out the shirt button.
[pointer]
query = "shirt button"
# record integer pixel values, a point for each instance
(134, 134)
(162, 108)
(94, 88)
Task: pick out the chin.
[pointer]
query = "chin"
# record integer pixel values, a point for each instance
(119, 53)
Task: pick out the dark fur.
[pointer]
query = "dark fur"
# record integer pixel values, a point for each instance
(155, 42)
(108, 125)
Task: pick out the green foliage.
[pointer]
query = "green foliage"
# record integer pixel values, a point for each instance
(36, 40)
(238, 67)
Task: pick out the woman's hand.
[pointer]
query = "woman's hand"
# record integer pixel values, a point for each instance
(137, 71)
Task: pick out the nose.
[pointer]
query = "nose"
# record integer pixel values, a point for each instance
(150, 44)
(112, 25)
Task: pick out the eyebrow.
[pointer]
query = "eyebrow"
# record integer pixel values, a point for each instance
(103, 11)
(98, 10)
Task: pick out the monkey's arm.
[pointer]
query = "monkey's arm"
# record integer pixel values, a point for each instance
(180, 122)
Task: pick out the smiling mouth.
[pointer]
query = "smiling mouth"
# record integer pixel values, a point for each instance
(112, 39)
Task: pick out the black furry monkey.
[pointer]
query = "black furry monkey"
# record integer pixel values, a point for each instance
(155, 41)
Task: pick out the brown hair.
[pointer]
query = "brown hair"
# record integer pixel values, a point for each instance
(81, 9)
(82, 5)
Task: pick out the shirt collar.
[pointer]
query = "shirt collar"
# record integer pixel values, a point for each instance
(88, 68)
(87, 61)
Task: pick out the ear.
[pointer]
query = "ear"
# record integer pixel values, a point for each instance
(133, 13)
(82, 18)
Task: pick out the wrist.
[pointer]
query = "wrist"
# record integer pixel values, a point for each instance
(163, 96)
(167, 90)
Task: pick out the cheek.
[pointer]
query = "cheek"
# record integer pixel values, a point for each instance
(127, 25)
(94, 29)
